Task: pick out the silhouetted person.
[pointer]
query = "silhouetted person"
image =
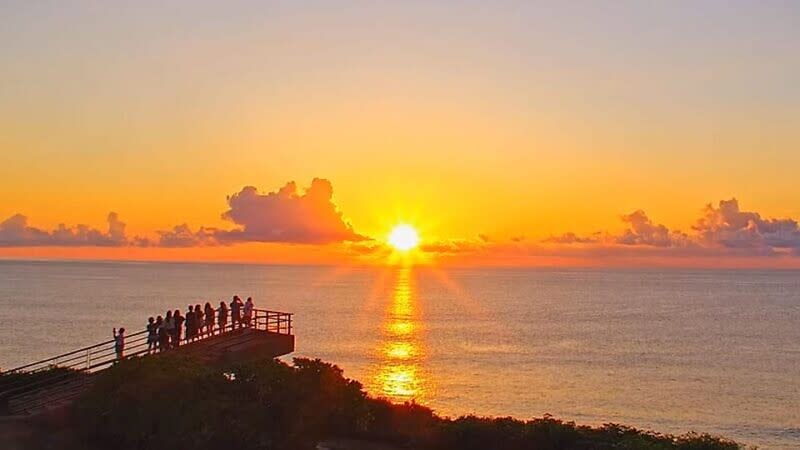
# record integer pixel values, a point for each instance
(209, 315)
(236, 312)
(198, 321)
(222, 316)
(152, 335)
(162, 334)
(119, 342)
(248, 312)
(176, 334)
(169, 329)
(190, 323)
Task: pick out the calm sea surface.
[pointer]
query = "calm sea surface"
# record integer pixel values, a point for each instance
(672, 350)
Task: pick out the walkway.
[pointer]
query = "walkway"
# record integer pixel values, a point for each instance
(56, 381)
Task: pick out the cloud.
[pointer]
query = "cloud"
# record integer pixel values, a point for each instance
(642, 231)
(183, 236)
(570, 238)
(728, 226)
(452, 246)
(724, 229)
(16, 232)
(287, 216)
(366, 247)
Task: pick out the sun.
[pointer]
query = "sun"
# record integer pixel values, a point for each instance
(403, 237)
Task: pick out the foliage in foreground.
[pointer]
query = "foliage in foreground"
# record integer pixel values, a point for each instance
(26, 381)
(173, 403)
(19, 383)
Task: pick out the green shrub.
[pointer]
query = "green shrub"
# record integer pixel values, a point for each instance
(177, 403)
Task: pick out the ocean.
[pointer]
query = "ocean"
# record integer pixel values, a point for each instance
(664, 349)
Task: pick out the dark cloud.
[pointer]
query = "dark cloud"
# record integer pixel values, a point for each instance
(16, 232)
(287, 216)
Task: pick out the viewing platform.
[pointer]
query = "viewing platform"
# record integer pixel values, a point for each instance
(56, 381)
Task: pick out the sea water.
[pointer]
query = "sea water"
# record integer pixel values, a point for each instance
(667, 349)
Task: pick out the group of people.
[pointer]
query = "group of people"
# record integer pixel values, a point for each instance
(164, 333)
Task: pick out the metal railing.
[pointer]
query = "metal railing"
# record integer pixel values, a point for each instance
(84, 361)
(272, 321)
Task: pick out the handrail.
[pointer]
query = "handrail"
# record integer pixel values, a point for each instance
(96, 357)
(279, 319)
(80, 350)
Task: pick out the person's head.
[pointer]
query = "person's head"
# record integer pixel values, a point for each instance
(249, 299)
(150, 320)
(169, 314)
(177, 313)
(122, 331)
(197, 307)
(190, 307)
(221, 304)
(159, 319)
(208, 305)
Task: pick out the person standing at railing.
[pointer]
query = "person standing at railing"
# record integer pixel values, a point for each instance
(236, 312)
(162, 333)
(248, 311)
(198, 321)
(119, 342)
(209, 315)
(176, 333)
(222, 316)
(190, 323)
(152, 335)
(169, 329)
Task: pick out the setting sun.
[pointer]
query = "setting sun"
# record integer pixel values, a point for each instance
(403, 237)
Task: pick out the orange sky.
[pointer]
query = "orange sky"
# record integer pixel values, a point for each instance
(493, 121)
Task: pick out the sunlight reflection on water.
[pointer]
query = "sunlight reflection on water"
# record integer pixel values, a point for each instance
(399, 375)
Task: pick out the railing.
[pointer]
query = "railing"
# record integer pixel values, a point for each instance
(79, 363)
(272, 321)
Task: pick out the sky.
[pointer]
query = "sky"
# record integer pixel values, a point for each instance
(511, 133)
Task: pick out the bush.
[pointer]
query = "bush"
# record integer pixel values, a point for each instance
(178, 403)
(167, 401)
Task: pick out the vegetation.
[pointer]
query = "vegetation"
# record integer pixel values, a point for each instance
(20, 383)
(30, 380)
(175, 403)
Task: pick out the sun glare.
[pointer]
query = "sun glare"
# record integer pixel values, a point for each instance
(403, 237)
